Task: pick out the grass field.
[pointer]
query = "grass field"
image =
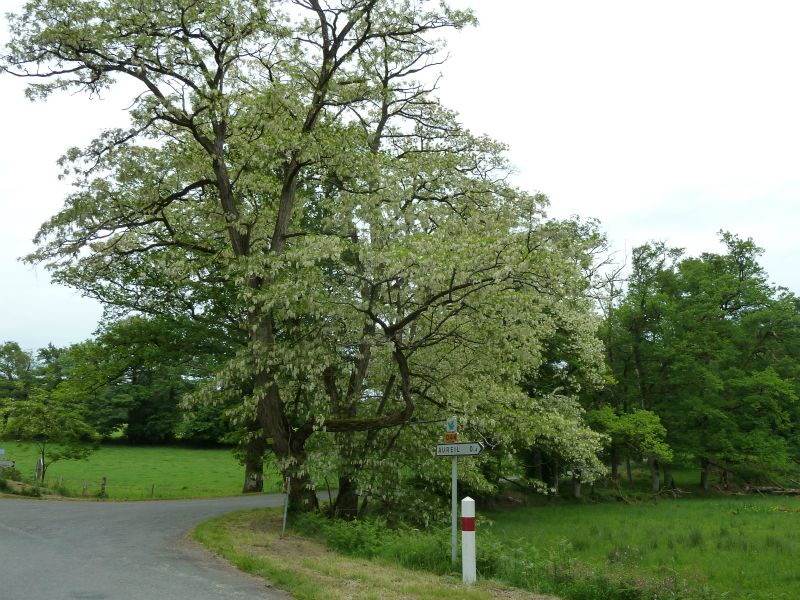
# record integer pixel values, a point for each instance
(143, 472)
(698, 547)
(739, 547)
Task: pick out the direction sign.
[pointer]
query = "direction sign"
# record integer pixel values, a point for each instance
(6, 464)
(459, 449)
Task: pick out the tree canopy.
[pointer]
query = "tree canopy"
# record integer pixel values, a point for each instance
(289, 174)
(710, 347)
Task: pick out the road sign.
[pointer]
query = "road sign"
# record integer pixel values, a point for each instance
(6, 464)
(459, 449)
(452, 425)
(454, 450)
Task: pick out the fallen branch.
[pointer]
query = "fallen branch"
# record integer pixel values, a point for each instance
(675, 492)
(772, 489)
(620, 495)
(518, 484)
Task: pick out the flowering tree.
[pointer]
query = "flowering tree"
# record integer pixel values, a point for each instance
(286, 170)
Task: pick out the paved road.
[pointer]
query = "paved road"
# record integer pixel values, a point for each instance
(52, 550)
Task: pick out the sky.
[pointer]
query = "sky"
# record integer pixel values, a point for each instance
(664, 121)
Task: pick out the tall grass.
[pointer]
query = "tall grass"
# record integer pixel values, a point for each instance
(549, 570)
(373, 539)
(134, 473)
(742, 547)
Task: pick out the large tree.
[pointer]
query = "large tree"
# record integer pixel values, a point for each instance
(54, 421)
(136, 375)
(16, 371)
(42, 404)
(286, 171)
(710, 347)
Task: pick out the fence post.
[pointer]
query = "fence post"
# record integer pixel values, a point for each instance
(468, 540)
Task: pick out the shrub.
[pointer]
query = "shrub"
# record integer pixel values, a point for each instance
(12, 474)
(373, 538)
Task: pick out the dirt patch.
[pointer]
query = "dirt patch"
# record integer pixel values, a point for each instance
(263, 532)
(17, 487)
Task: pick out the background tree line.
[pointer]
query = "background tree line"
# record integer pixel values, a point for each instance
(701, 368)
(130, 383)
(704, 353)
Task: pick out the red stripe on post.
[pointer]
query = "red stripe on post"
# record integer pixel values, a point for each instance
(467, 523)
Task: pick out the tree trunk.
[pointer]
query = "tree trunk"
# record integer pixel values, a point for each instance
(302, 497)
(614, 465)
(254, 464)
(346, 506)
(638, 364)
(629, 470)
(669, 482)
(723, 479)
(576, 485)
(538, 472)
(363, 510)
(655, 484)
(705, 468)
(556, 476)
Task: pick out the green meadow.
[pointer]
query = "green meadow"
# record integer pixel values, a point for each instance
(142, 472)
(705, 547)
(741, 547)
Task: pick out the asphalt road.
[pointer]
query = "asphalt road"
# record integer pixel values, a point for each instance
(51, 550)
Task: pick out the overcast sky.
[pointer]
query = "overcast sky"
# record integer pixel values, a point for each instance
(665, 121)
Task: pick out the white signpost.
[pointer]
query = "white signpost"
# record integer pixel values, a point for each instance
(454, 450)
